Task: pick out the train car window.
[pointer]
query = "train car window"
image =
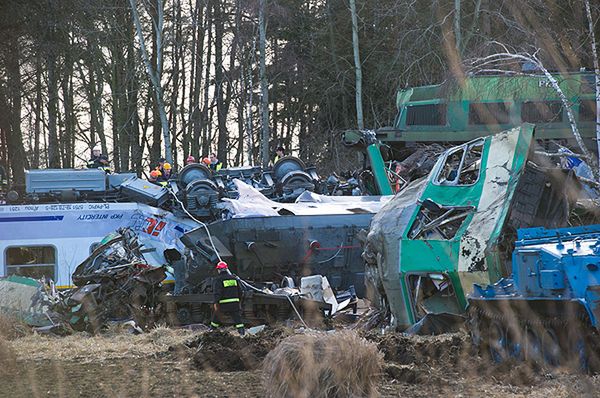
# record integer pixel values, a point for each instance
(542, 112)
(489, 113)
(426, 115)
(587, 111)
(31, 261)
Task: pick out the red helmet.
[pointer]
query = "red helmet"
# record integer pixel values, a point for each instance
(222, 265)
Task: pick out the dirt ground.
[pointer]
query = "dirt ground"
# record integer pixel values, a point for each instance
(181, 363)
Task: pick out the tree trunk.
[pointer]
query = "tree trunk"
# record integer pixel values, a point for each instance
(457, 33)
(205, 144)
(155, 72)
(223, 134)
(132, 110)
(596, 74)
(53, 150)
(264, 88)
(357, 66)
(35, 160)
(14, 135)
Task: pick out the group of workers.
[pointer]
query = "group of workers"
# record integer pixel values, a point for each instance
(211, 161)
(162, 172)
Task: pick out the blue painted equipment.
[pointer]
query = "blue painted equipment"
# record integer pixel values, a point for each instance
(549, 309)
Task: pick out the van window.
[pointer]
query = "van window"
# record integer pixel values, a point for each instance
(32, 261)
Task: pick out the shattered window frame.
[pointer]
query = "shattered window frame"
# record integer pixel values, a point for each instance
(466, 149)
(423, 223)
(9, 265)
(413, 292)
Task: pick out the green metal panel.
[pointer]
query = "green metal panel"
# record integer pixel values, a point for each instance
(418, 256)
(379, 170)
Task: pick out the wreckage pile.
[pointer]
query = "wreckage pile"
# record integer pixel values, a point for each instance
(115, 284)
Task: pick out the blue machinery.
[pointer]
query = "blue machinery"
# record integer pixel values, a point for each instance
(549, 309)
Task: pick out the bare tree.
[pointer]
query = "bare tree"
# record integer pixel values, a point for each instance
(155, 74)
(357, 66)
(264, 88)
(596, 71)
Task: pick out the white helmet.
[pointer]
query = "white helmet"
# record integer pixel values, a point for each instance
(97, 148)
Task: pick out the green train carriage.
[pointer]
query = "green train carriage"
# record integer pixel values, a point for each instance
(486, 104)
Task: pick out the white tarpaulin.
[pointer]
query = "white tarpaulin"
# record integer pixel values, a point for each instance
(252, 203)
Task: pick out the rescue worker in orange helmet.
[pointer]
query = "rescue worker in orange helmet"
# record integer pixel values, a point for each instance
(154, 176)
(206, 162)
(227, 298)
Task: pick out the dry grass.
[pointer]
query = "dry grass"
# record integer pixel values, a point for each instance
(83, 347)
(12, 328)
(323, 365)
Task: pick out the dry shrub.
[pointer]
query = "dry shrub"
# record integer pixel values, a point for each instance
(323, 365)
(8, 360)
(12, 328)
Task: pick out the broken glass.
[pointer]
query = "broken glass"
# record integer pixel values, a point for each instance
(461, 166)
(437, 222)
(432, 294)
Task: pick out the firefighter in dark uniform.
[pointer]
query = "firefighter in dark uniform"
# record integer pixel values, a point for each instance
(227, 301)
(98, 160)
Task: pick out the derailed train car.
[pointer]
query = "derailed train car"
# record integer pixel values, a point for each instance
(441, 234)
(272, 246)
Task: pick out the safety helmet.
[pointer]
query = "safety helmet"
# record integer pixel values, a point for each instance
(167, 166)
(97, 148)
(222, 265)
(206, 161)
(155, 174)
(190, 159)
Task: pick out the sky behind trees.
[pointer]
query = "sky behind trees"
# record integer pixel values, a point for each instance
(73, 73)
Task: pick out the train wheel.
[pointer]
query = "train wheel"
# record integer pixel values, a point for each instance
(577, 348)
(551, 348)
(514, 342)
(496, 342)
(532, 344)
(474, 323)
